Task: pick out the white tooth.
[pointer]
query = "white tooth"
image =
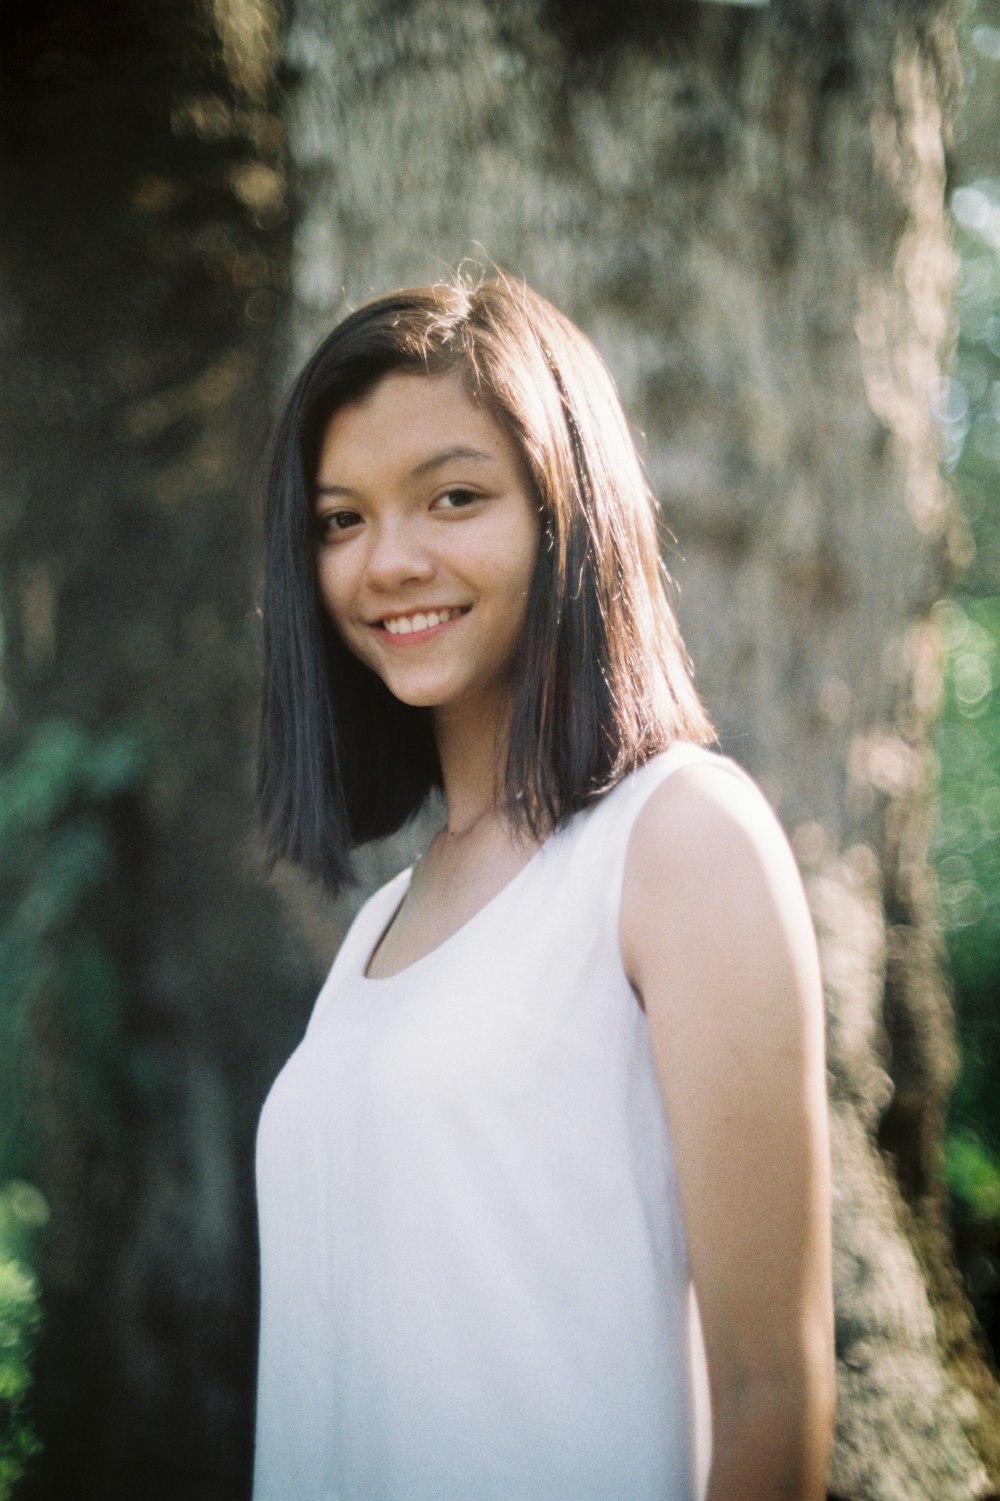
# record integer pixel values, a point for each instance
(404, 626)
(392, 626)
(433, 618)
(419, 623)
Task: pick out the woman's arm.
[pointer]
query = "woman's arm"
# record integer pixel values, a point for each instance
(719, 944)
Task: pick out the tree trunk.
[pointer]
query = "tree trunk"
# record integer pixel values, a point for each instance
(744, 208)
(142, 250)
(745, 211)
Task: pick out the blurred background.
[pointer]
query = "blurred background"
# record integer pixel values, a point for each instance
(966, 841)
(781, 225)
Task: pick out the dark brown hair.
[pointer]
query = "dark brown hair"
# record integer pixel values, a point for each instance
(603, 680)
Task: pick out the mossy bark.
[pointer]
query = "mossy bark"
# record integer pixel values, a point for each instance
(143, 249)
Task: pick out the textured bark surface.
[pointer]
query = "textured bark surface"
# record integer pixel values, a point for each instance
(142, 222)
(745, 211)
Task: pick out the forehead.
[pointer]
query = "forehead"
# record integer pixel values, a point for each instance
(406, 419)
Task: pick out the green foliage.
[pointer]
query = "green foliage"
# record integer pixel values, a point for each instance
(56, 853)
(966, 847)
(968, 737)
(23, 1212)
(973, 1175)
(57, 800)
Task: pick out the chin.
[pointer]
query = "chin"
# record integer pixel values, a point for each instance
(417, 697)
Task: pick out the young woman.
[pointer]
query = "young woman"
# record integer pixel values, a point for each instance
(544, 1193)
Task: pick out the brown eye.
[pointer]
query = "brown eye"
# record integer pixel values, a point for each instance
(334, 522)
(455, 500)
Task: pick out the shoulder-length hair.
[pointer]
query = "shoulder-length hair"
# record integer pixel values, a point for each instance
(603, 681)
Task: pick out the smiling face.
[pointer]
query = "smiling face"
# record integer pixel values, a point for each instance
(428, 536)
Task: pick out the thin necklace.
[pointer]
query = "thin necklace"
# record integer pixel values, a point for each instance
(472, 824)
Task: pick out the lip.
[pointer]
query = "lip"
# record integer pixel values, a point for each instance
(411, 638)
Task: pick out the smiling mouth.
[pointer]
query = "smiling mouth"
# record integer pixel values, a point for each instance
(420, 620)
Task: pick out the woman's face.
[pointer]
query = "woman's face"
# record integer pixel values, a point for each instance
(428, 536)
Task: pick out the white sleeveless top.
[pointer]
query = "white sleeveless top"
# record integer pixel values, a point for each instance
(474, 1277)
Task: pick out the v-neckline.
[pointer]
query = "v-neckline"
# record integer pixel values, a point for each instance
(371, 949)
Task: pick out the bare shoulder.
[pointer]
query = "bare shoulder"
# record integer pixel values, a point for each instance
(710, 870)
(700, 812)
(704, 845)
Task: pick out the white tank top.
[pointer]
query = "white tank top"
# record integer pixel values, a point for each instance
(474, 1277)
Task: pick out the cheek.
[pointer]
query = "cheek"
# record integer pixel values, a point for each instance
(528, 561)
(330, 586)
(515, 552)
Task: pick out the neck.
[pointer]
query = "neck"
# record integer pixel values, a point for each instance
(472, 745)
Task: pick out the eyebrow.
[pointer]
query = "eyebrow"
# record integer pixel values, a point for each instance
(446, 456)
(475, 455)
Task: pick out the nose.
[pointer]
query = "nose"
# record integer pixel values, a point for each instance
(396, 555)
